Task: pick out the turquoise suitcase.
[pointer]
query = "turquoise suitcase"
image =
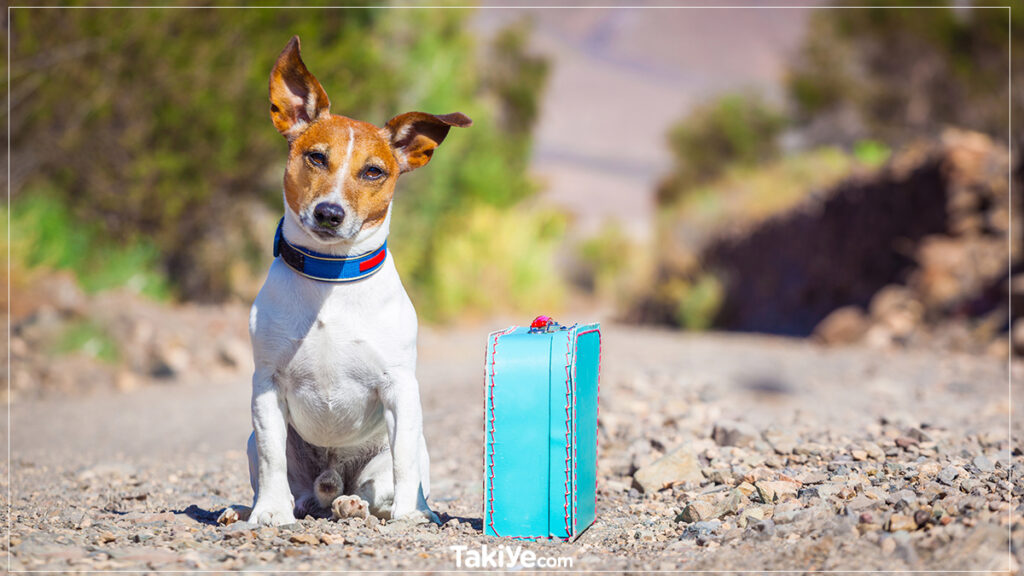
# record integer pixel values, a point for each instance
(540, 430)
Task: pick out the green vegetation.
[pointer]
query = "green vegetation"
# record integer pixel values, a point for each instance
(87, 338)
(732, 130)
(746, 196)
(897, 74)
(150, 128)
(49, 236)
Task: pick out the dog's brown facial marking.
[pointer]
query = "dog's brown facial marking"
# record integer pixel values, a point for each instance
(345, 161)
(341, 173)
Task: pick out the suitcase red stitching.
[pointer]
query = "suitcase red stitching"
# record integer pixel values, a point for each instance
(490, 468)
(568, 421)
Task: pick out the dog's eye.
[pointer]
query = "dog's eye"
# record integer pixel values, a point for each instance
(372, 173)
(318, 159)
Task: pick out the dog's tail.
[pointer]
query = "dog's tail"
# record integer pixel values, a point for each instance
(328, 486)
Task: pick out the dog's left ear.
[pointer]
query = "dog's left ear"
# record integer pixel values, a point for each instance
(415, 135)
(296, 97)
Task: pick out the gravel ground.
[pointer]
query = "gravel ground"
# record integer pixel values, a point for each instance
(717, 452)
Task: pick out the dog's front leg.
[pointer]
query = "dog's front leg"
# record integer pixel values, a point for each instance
(274, 503)
(404, 418)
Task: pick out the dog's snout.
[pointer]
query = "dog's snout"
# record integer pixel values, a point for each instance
(328, 215)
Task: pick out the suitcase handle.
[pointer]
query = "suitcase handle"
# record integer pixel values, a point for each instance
(545, 325)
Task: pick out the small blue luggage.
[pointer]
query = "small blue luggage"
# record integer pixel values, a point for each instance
(540, 430)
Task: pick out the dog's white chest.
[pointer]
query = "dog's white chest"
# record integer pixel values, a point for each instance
(331, 350)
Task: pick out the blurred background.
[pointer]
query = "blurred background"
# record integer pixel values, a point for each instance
(817, 172)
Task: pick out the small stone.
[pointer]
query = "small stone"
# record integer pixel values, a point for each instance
(732, 433)
(729, 505)
(776, 491)
(898, 522)
(922, 517)
(844, 325)
(918, 435)
(372, 521)
(906, 442)
(696, 511)
(765, 492)
(304, 538)
(330, 539)
(982, 463)
(746, 488)
(679, 466)
(859, 455)
(948, 475)
(107, 537)
(782, 442)
(888, 546)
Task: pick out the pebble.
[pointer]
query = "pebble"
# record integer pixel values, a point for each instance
(680, 466)
(983, 464)
(948, 475)
(696, 511)
(899, 522)
(304, 538)
(733, 433)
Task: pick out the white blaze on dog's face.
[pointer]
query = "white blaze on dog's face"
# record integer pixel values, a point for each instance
(341, 173)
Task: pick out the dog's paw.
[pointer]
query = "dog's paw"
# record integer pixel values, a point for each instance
(349, 506)
(419, 516)
(269, 515)
(233, 514)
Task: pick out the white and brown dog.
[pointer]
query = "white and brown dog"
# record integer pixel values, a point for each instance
(337, 423)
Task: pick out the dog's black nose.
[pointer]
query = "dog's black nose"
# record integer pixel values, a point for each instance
(328, 215)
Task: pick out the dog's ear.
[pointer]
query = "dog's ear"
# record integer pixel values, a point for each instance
(296, 97)
(414, 135)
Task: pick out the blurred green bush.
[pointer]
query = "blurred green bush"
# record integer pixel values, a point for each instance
(897, 74)
(152, 126)
(730, 130)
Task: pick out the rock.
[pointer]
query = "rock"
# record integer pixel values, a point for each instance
(776, 491)
(170, 361)
(922, 517)
(234, 353)
(107, 537)
(679, 466)
(906, 442)
(729, 505)
(746, 488)
(732, 433)
(782, 442)
(304, 538)
(696, 511)
(844, 325)
(982, 463)
(896, 308)
(898, 522)
(948, 475)
(859, 455)
(704, 528)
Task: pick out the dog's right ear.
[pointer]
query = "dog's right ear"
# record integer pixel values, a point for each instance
(296, 97)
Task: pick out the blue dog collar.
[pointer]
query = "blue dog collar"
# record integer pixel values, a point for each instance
(325, 267)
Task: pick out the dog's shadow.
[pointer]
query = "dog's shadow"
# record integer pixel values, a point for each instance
(210, 517)
(475, 523)
(202, 515)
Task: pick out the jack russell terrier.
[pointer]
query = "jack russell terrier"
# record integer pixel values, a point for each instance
(337, 422)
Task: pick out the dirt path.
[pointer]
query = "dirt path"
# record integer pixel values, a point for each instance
(866, 439)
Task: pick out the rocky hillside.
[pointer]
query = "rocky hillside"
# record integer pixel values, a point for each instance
(915, 251)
